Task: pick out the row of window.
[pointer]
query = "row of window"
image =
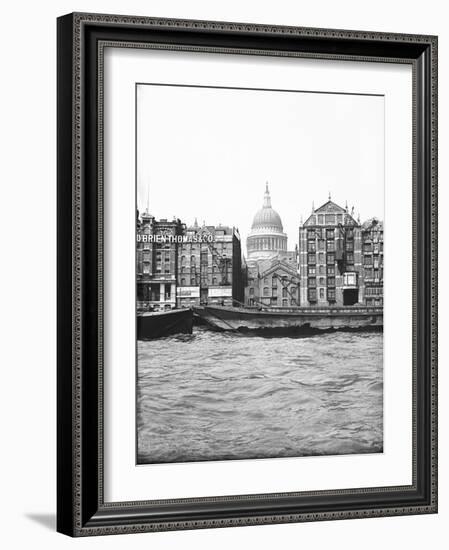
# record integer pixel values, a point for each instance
(274, 280)
(329, 258)
(371, 273)
(268, 243)
(322, 270)
(147, 257)
(312, 294)
(204, 259)
(314, 233)
(186, 248)
(374, 261)
(374, 291)
(327, 219)
(375, 248)
(274, 292)
(194, 281)
(146, 270)
(312, 246)
(186, 269)
(312, 282)
(374, 301)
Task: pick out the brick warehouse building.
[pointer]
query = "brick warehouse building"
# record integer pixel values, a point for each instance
(330, 257)
(273, 283)
(180, 267)
(333, 265)
(210, 266)
(156, 262)
(373, 261)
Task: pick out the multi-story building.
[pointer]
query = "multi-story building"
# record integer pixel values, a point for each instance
(273, 283)
(373, 263)
(157, 261)
(180, 267)
(271, 270)
(210, 266)
(330, 259)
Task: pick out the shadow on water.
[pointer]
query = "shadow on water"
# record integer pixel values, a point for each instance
(304, 332)
(291, 332)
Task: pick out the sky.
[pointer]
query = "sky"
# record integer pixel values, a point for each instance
(208, 152)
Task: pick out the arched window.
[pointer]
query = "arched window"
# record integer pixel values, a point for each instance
(192, 259)
(265, 291)
(183, 260)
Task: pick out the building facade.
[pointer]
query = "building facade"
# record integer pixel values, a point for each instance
(210, 266)
(273, 283)
(330, 258)
(179, 266)
(157, 261)
(373, 261)
(341, 261)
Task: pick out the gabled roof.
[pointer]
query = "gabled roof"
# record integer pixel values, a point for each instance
(330, 208)
(279, 265)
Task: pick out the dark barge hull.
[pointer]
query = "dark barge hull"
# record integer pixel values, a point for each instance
(301, 320)
(164, 323)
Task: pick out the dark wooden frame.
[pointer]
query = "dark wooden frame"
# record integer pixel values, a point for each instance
(81, 510)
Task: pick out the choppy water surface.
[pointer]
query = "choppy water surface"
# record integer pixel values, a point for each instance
(215, 396)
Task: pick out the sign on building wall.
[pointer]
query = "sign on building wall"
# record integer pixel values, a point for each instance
(220, 292)
(188, 292)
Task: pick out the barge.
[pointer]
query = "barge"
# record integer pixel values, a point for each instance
(157, 324)
(298, 320)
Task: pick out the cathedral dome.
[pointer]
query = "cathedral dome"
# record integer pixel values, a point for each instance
(266, 238)
(266, 217)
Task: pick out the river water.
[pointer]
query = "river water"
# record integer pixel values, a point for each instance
(216, 396)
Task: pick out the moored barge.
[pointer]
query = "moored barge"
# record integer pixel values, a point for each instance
(293, 320)
(156, 324)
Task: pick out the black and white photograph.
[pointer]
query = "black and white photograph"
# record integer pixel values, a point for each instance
(222, 220)
(259, 273)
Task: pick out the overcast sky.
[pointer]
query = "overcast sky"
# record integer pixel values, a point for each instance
(207, 153)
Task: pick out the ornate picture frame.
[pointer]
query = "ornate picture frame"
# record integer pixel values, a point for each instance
(81, 507)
